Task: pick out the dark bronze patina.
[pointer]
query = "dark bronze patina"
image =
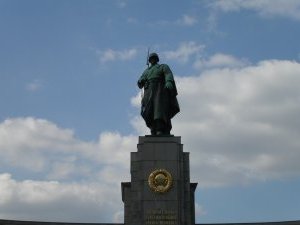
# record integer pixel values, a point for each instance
(159, 102)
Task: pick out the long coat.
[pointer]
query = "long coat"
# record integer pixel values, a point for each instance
(158, 102)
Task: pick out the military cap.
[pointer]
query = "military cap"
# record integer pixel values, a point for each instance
(154, 55)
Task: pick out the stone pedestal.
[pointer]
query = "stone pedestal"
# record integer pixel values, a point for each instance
(160, 192)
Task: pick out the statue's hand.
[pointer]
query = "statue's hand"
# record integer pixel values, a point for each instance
(140, 83)
(169, 85)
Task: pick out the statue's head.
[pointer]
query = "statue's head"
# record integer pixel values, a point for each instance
(153, 58)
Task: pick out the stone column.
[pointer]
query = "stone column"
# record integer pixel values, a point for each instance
(160, 192)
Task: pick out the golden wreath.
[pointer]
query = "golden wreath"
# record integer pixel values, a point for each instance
(160, 181)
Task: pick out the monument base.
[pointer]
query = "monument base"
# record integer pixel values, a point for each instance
(160, 192)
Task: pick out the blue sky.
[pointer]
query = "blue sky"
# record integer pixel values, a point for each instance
(69, 114)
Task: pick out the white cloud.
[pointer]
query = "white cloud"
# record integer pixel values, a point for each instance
(62, 170)
(34, 85)
(55, 201)
(113, 55)
(199, 210)
(136, 100)
(212, 21)
(88, 172)
(184, 52)
(240, 124)
(220, 60)
(187, 20)
(39, 145)
(184, 20)
(267, 8)
(23, 140)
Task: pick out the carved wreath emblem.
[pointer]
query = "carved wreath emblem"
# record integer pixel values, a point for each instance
(160, 181)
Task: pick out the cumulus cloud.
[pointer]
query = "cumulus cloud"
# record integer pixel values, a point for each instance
(187, 20)
(40, 145)
(184, 52)
(220, 60)
(22, 141)
(266, 8)
(85, 173)
(113, 55)
(52, 200)
(240, 124)
(243, 126)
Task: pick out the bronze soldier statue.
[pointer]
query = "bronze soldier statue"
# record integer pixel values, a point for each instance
(159, 103)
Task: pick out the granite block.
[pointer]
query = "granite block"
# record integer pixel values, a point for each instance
(142, 204)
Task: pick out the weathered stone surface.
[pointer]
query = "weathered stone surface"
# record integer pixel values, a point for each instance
(16, 222)
(143, 206)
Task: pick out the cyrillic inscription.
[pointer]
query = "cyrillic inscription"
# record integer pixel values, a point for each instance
(161, 217)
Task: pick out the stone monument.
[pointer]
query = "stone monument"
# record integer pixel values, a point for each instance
(160, 192)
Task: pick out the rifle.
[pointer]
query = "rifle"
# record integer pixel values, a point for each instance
(147, 63)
